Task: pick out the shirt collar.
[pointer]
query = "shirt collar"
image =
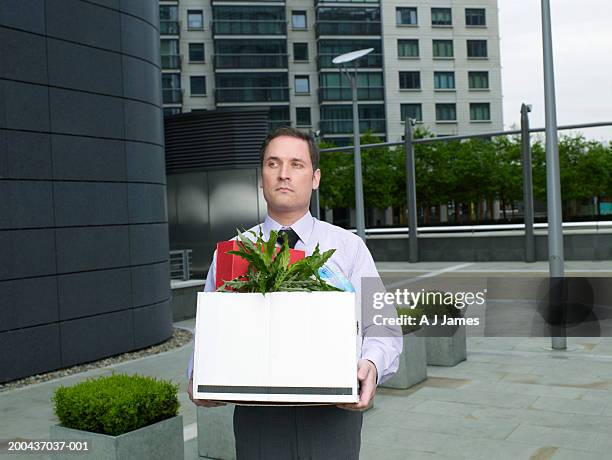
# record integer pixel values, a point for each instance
(303, 226)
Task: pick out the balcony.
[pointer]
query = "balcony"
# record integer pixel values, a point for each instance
(342, 126)
(324, 60)
(252, 94)
(347, 1)
(172, 96)
(245, 27)
(171, 61)
(273, 124)
(250, 61)
(324, 27)
(167, 27)
(343, 93)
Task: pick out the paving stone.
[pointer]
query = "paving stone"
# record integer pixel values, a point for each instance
(570, 406)
(556, 437)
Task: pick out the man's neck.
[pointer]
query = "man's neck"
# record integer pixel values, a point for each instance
(287, 219)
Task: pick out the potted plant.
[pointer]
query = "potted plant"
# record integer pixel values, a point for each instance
(445, 340)
(119, 417)
(413, 364)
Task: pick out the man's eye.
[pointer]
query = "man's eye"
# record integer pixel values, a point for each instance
(298, 165)
(271, 164)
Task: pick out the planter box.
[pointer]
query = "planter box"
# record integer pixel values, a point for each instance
(262, 348)
(216, 432)
(447, 351)
(413, 363)
(160, 441)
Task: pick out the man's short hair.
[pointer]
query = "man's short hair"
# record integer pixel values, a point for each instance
(292, 132)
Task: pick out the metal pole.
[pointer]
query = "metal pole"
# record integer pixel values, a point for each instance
(527, 185)
(553, 183)
(413, 247)
(315, 207)
(359, 207)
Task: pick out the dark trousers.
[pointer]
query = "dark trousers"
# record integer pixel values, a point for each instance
(303, 432)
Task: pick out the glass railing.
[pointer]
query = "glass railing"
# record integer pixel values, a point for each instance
(250, 61)
(324, 27)
(252, 94)
(342, 93)
(167, 27)
(246, 27)
(343, 126)
(371, 60)
(172, 96)
(171, 61)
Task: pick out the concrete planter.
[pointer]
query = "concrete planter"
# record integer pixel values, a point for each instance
(160, 441)
(216, 432)
(447, 351)
(413, 363)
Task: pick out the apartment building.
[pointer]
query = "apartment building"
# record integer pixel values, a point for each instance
(435, 61)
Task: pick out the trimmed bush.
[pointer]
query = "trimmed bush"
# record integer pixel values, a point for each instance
(415, 313)
(115, 404)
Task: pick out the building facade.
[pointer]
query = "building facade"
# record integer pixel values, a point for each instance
(437, 62)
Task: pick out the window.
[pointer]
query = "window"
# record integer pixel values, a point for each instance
(411, 111)
(446, 112)
(197, 85)
(443, 49)
(477, 48)
(444, 80)
(410, 80)
(298, 19)
(302, 116)
(196, 52)
(300, 51)
(408, 48)
(441, 17)
(480, 111)
(478, 80)
(302, 84)
(406, 16)
(475, 17)
(171, 111)
(195, 19)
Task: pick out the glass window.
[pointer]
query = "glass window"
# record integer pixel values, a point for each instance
(480, 111)
(478, 80)
(197, 85)
(408, 48)
(195, 19)
(171, 111)
(171, 81)
(446, 112)
(302, 116)
(300, 51)
(475, 17)
(443, 49)
(410, 80)
(302, 84)
(168, 12)
(444, 80)
(477, 48)
(411, 111)
(298, 19)
(406, 16)
(196, 52)
(441, 17)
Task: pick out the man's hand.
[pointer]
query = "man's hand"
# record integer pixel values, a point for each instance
(367, 376)
(202, 402)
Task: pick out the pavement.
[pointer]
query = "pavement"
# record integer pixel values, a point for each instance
(514, 398)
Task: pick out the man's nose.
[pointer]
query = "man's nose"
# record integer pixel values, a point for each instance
(284, 172)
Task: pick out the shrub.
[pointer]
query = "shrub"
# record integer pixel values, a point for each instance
(115, 404)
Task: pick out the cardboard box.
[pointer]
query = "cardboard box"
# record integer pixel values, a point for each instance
(230, 266)
(285, 347)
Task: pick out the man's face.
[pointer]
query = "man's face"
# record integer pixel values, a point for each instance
(287, 175)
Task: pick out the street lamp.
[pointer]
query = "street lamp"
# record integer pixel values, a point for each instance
(343, 60)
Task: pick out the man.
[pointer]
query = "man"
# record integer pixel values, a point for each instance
(289, 162)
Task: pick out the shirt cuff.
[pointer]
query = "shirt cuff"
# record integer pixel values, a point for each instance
(376, 356)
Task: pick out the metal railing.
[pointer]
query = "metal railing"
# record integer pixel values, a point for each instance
(344, 93)
(345, 126)
(180, 264)
(252, 94)
(326, 27)
(250, 61)
(247, 27)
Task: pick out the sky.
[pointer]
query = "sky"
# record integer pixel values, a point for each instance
(582, 47)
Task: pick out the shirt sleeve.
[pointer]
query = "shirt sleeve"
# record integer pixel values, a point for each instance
(208, 287)
(381, 345)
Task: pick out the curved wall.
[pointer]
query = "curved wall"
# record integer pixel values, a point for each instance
(83, 220)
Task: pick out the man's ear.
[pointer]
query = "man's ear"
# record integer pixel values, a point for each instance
(316, 179)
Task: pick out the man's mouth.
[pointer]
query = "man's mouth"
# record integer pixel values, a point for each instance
(284, 189)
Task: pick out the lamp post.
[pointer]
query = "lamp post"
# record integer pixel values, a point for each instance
(342, 61)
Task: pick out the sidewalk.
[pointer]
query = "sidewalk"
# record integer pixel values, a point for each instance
(513, 398)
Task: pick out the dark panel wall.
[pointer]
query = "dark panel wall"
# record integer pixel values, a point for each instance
(83, 220)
